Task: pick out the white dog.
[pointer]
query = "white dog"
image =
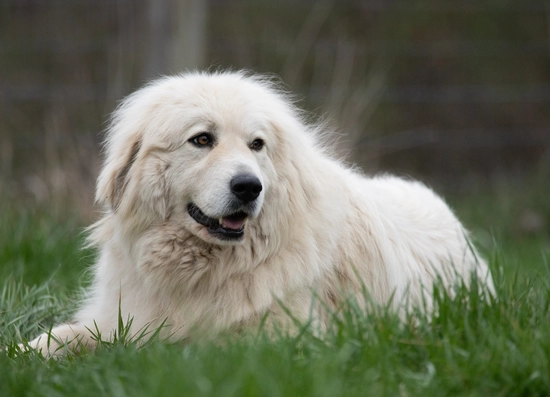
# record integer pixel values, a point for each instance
(222, 206)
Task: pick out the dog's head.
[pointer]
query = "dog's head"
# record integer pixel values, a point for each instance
(198, 149)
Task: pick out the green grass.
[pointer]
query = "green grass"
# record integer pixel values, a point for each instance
(470, 347)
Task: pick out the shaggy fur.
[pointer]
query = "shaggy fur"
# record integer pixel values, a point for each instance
(317, 227)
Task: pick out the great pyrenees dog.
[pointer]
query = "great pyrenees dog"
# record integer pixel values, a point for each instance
(223, 208)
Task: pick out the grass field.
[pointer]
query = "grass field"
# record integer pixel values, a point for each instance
(469, 347)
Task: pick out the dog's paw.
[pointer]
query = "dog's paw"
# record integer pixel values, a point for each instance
(48, 344)
(60, 341)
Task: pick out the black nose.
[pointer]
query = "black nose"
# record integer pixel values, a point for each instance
(246, 187)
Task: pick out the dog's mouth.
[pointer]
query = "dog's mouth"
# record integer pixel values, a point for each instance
(230, 227)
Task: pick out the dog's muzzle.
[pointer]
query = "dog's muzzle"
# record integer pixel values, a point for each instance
(245, 188)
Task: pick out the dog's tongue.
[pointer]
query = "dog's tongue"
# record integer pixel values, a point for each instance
(231, 222)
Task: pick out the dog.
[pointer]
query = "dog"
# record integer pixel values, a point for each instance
(223, 207)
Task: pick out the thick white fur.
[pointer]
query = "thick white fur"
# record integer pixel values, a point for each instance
(318, 228)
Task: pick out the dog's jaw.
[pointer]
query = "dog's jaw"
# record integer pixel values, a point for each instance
(228, 228)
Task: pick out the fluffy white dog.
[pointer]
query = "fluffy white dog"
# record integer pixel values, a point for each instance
(222, 204)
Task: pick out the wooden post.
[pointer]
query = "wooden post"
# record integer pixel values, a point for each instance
(190, 35)
(177, 37)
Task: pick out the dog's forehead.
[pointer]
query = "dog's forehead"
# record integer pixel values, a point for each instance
(225, 105)
(177, 109)
(239, 99)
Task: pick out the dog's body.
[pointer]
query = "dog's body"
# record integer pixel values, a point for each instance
(222, 207)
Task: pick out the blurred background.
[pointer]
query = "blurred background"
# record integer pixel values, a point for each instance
(456, 93)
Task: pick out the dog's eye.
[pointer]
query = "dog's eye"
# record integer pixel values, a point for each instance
(202, 140)
(257, 144)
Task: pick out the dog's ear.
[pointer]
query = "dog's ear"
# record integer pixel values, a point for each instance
(121, 179)
(114, 177)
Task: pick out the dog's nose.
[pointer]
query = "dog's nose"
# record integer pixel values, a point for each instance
(246, 187)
